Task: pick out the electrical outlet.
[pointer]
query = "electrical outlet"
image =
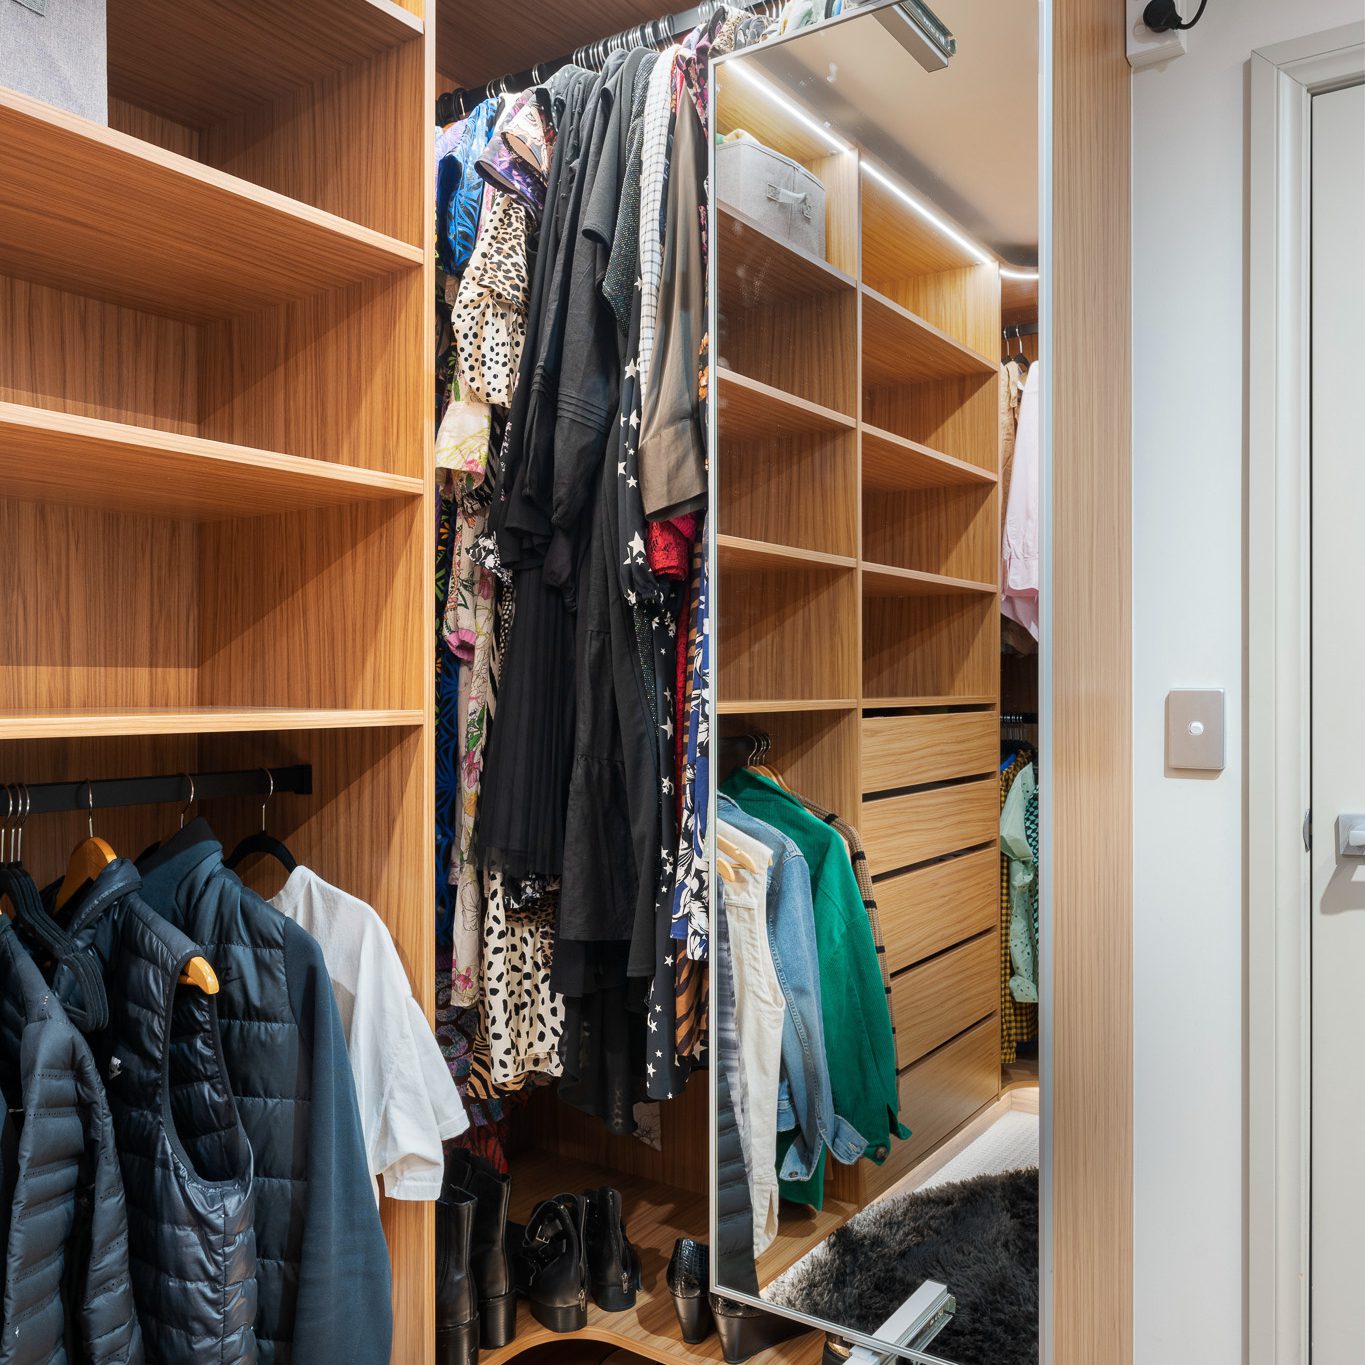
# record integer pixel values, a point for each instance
(1146, 48)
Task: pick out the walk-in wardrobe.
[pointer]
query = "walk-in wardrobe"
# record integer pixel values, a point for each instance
(226, 359)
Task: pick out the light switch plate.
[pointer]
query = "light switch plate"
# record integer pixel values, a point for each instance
(1194, 729)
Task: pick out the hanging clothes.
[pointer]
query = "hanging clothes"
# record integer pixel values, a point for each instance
(188, 1169)
(1020, 565)
(323, 1274)
(856, 1016)
(1019, 843)
(403, 1118)
(1018, 1021)
(65, 1259)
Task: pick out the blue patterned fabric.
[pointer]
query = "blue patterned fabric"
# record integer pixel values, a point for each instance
(459, 190)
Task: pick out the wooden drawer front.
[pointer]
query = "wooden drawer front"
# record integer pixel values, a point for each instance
(925, 911)
(908, 751)
(938, 1000)
(938, 1095)
(900, 830)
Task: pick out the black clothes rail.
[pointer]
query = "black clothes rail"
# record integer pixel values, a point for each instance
(456, 104)
(50, 798)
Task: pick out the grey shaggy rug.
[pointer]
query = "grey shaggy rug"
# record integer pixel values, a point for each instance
(979, 1237)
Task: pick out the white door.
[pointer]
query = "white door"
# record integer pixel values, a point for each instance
(1338, 726)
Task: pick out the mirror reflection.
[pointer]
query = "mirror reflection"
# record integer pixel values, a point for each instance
(876, 457)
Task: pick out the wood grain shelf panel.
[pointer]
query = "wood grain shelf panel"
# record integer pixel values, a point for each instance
(754, 269)
(749, 410)
(894, 464)
(655, 1215)
(85, 461)
(158, 57)
(899, 347)
(757, 706)
(64, 723)
(899, 243)
(165, 234)
(885, 580)
(925, 703)
(738, 555)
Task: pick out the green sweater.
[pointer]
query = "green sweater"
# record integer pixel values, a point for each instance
(860, 1050)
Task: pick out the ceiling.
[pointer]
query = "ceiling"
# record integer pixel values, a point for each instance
(965, 137)
(479, 40)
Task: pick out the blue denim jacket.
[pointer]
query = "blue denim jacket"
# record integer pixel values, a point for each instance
(805, 1102)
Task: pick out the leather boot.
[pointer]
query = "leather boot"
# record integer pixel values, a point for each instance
(689, 1272)
(550, 1265)
(745, 1331)
(457, 1309)
(613, 1264)
(488, 1260)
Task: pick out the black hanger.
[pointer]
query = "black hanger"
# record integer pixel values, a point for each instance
(261, 842)
(1018, 357)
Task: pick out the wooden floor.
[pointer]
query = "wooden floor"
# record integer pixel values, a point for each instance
(655, 1215)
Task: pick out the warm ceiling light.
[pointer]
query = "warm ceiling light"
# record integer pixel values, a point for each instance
(1008, 273)
(775, 96)
(946, 229)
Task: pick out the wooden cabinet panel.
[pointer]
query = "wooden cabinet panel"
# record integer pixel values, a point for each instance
(908, 751)
(925, 911)
(936, 1001)
(939, 1094)
(901, 830)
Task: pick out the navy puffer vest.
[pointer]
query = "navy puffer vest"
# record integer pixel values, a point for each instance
(63, 1222)
(187, 1165)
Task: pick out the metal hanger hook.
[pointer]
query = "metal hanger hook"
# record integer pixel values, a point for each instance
(89, 808)
(269, 777)
(17, 848)
(184, 810)
(9, 812)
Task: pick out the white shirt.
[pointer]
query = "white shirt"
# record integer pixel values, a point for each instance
(1019, 578)
(408, 1100)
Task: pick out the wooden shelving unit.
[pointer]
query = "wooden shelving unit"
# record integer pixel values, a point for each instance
(910, 634)
(217, 474)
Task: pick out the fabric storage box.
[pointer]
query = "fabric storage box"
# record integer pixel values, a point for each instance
(779, 194)
(55, 50)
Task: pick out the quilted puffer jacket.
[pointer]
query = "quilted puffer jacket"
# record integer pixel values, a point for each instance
(187, 1166)
(323, 1266)
(63, 1222)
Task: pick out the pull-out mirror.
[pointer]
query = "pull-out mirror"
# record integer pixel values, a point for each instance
(876, 466)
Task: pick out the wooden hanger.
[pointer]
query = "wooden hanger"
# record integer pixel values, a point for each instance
(727, 872)
(734, 854)
(88, 859)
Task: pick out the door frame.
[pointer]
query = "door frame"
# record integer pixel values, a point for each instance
(1283, 80)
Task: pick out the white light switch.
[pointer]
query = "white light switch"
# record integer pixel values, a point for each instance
(1194, 729)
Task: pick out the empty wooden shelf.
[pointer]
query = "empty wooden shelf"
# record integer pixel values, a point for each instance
(70, 723)
(750, 410)
(899, 347)
(159, 59)
(85, 461)
(92, 210)
(732, 706)
(892, 463)
(884, 580)
(738, 555)
(755, 269)
(931, 703)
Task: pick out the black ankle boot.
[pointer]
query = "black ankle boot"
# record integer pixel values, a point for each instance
(457, 1309)
(613, 1264)
(488, 1261)
(550, 1266)
(689, 1270)
(745, 1331)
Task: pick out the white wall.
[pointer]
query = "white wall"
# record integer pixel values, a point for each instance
(1189, 223)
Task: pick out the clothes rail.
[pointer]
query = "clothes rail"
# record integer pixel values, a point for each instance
(51, 798)
(1018, 718)
(456, 104)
